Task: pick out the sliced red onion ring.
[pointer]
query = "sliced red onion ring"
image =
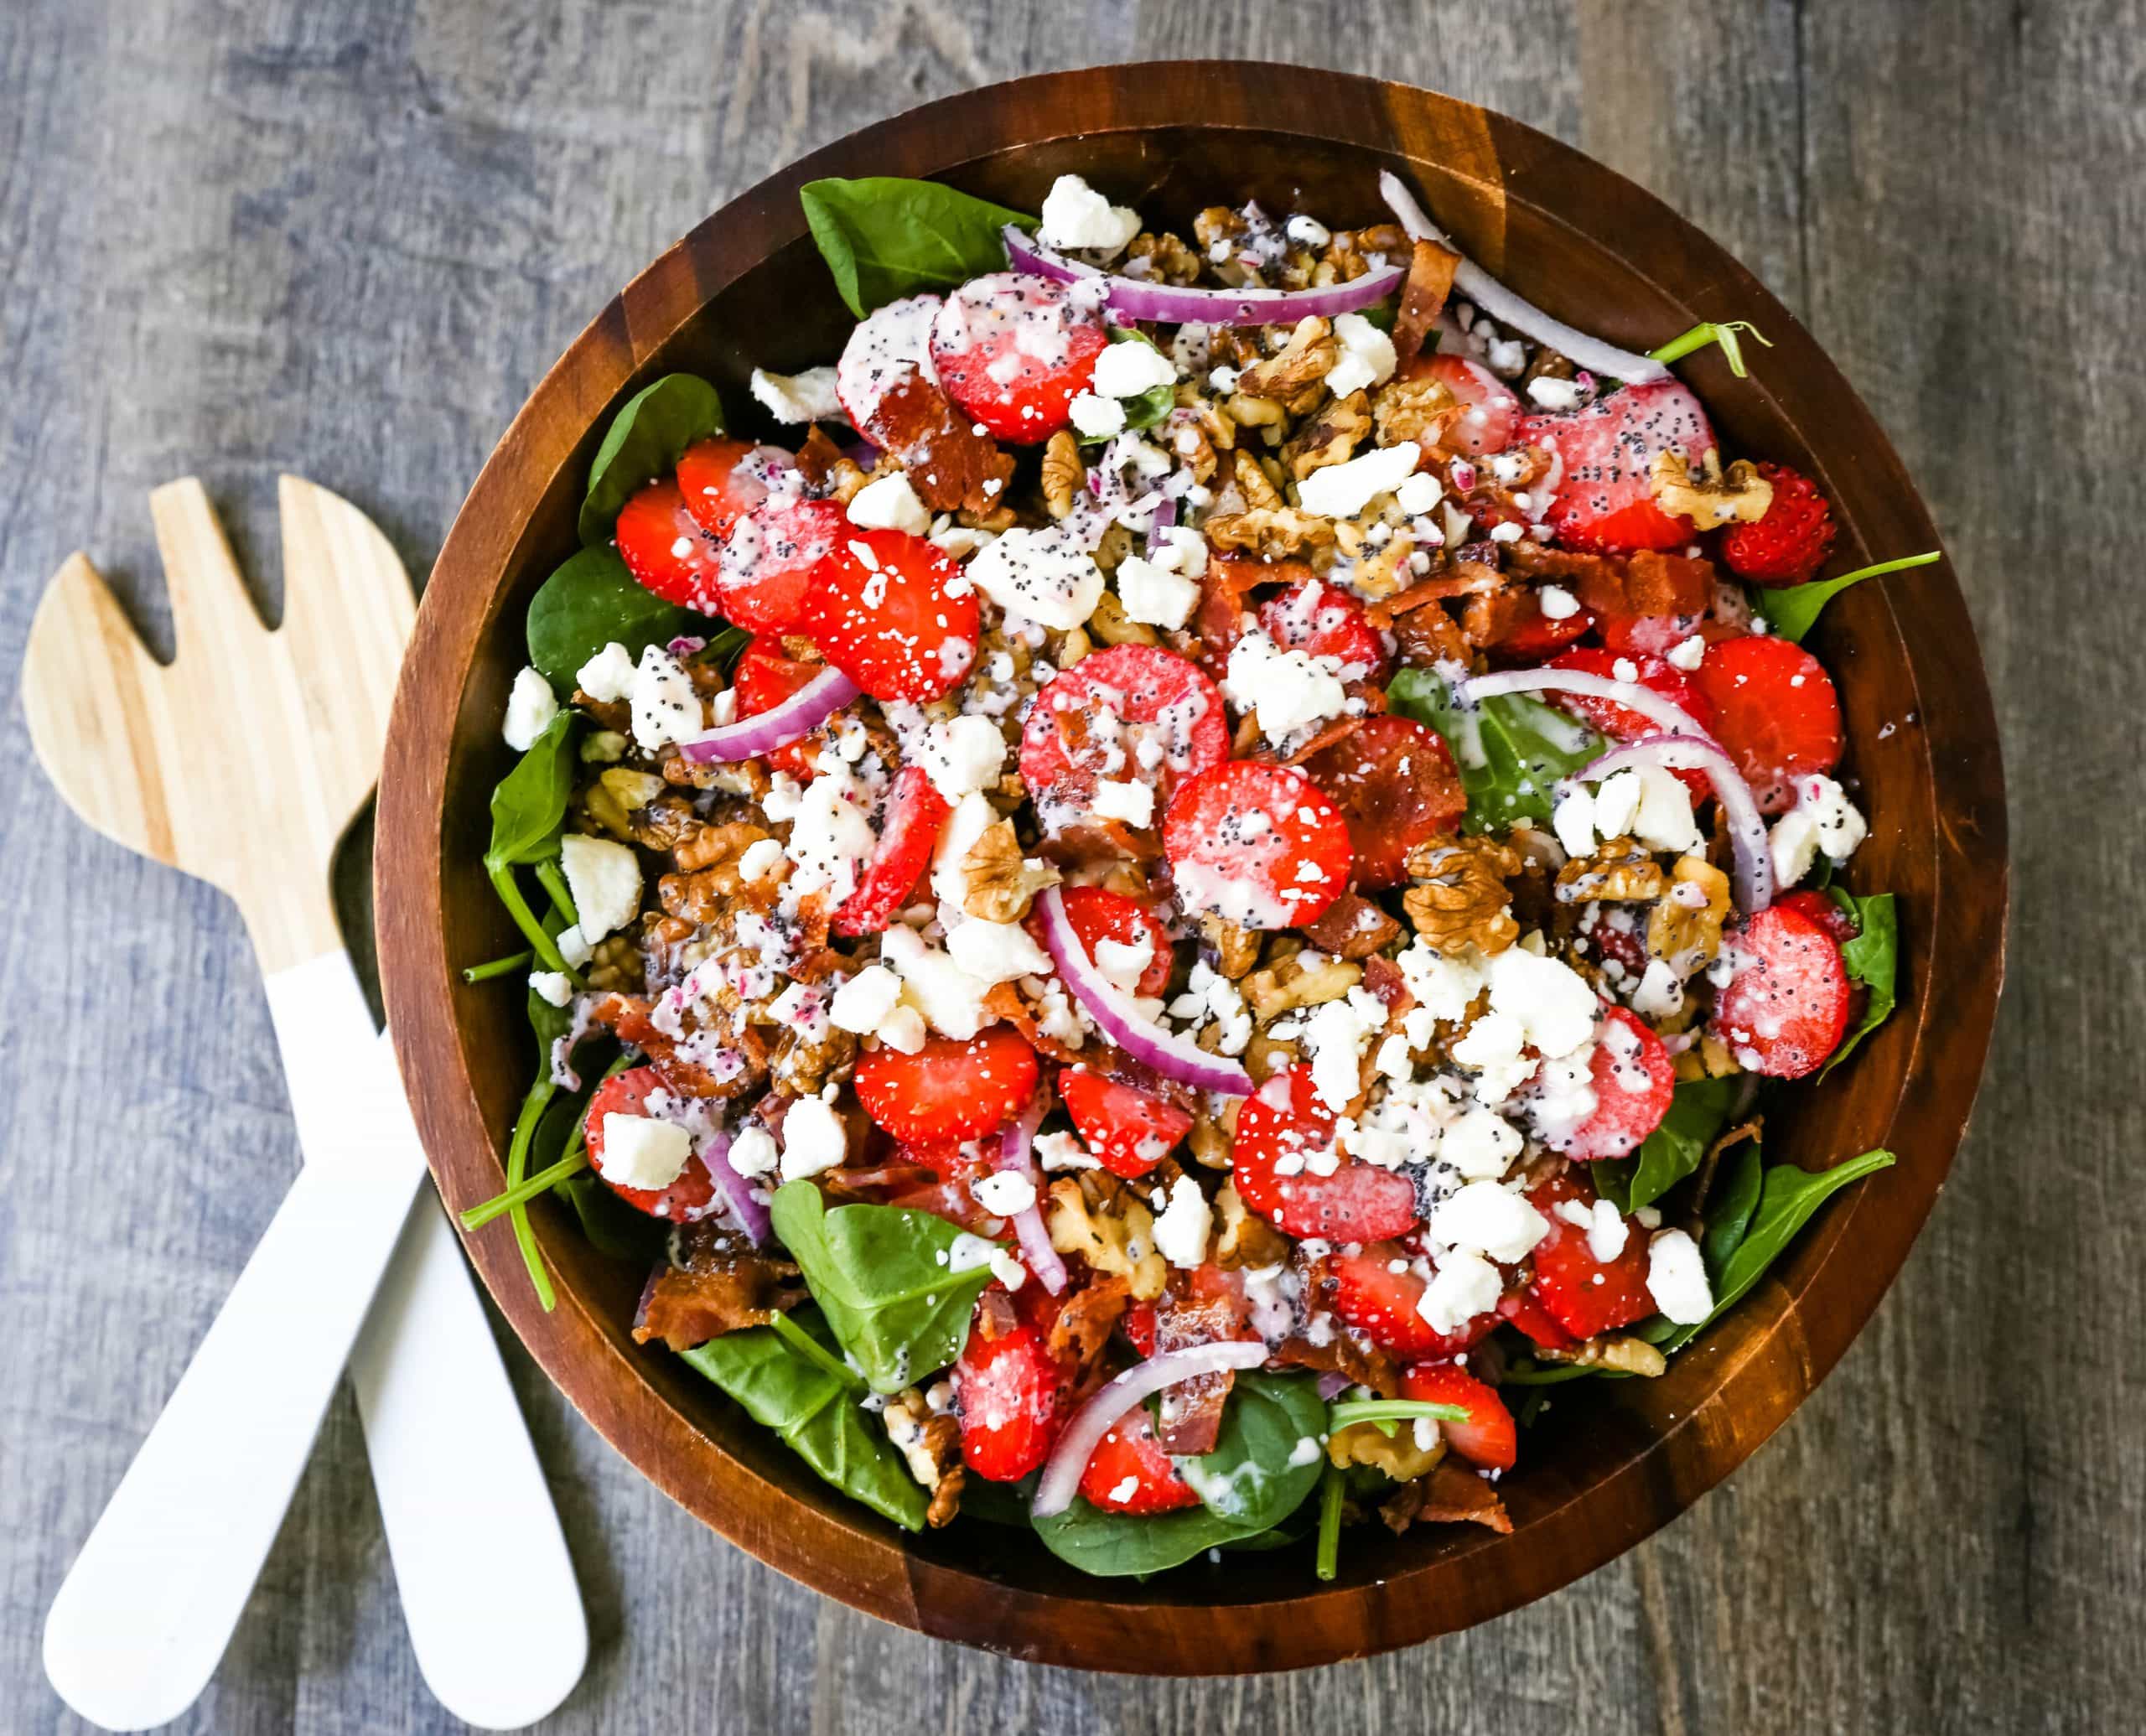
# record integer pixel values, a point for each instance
(1061, 1472)
(1754, 862)
(1502, 305)
(1158, 527)
(1673, 718)
(811, 706)
(1333, 1384)
(1167, 303)
(752, 1215)
(1017, 1152)
(1173, 1055)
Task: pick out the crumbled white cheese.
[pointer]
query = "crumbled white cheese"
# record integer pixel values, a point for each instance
(1418, 494)
(947, 997)
(1485, 1218)
(1366, 358)
(1064, 1151)
(863, 1001)
(1607, 1232)
(1337, 1032)
(1553, 1005)
(531, 707)
(1687, 653)
(889, 502)
(603, 879)
(813, 1138)
(666, 706)
(1553, 394)
(638, 1151)
(1344, 491)
(1822, 820)
(1125, 962)
(1557, 603)
(831, 837)
(1663, 818)
(759, 860)
(1464, 1285)
(973, 816)
(608, 675)
(552, 986)
(1481, 1144)
(1154, 597)
(573, 945)
(1573, 819)
(1287, 691)
(961, 755)
(1677, 1277)
(1442, 987)
(1043, 575)
(809, 396)
(1004, 1192)
(1075, 216)
(1132, 369)
(995, 952)
(1660, 991)
(1097, 417)
(1184, 1225)
(1132, 803)
(904, 1030)
(753, 1152)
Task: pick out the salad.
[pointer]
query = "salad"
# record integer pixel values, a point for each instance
(1188, 892)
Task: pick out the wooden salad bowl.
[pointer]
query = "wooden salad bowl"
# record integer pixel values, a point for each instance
(1606, 1466)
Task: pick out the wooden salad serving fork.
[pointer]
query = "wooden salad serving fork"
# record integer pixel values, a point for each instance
(243, 762)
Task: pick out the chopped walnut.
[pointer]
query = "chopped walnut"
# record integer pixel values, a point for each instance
(1303, 979)
(1412, 409)
(1621, 872)
(1168, 258)
(931, 1445)
(1307, 358)
(1396, 1454)
(1212, 1131)
(1214, 421)
(1351, 252)
(667, 822)
(1247, 411)
(1118, 542)
(1610, 1350)
(748, 778)
(998, 882)
(1264, 1056)
(1253, 482)
(1709, 1058)
(1689, 935)
(1242, 1238)
(1096, 1216)
(1461, 900)
(1064, 474)
(1272, 533)
(616, 963)
(1330, 438)
(1112, 624)
(1707, 497)
(1383, 569)
(1217, 223)
(1075, 645)
(1237, 949)
(617, 792)
(717, 849)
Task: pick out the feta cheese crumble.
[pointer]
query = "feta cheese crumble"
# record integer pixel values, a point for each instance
(638, 1151)
(603, 879)
(531, 707)
(1075, 216)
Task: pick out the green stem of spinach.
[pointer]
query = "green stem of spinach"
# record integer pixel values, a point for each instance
(1555, 1374)
(517, 1164)
(529, 1187)
(502, 875)
(812, 1350)
(1391, 1410)
(1724, 333)
(555, 883)
(1332, 1486)
(496, 967)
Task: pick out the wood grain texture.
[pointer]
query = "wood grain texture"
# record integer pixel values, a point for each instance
(348, 238)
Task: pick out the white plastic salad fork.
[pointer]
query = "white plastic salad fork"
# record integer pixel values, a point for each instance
(243, 762)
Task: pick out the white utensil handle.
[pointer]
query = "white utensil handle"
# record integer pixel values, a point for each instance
(146, 1611)
(488, 1588)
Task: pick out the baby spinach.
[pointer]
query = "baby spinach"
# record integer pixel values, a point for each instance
(881, 1275)
(1509, 750)
(1248, 1486)
(657, 423)
(529, 807)
(1736, 1191)
(589, 602)
(612, 1226)
(1793, 610)
(1872, 959)
(817, 1415)
(884, 237)
(1672, 1151)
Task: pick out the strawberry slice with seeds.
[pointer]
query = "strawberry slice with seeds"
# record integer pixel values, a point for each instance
(692, 1195)
(1776, 711)
(666, 549)
(1285, 1137)
(763, 677)
(908, 832)
(1488, 412)
(1129, 1130)
(1634, 1079)
(949, 1089)
(723, 479)
(894, 612)
(1315, 618)
(1605, 495)
(1097, 913)
(767, 565)
(1488, 1439)
(1013, 1395)
(1584, 1295)
(1130, 1472)
(1786, 545)
(1386, 1306)
(1014, 351)
(1785, 1009)
(1258, 845)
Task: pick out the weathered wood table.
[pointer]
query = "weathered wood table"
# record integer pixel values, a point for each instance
(344, 237)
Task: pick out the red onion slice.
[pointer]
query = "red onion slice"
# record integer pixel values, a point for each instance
(1754, 862)
(811, 706)
(1017, 1152)
(1173, 1055)
(1673, 718)
(1168, 304)
(1502, 305)
(752, 1215)
(1061, 1472)
(1159, 526)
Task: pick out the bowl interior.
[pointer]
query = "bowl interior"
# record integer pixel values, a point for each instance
(1611, 1460)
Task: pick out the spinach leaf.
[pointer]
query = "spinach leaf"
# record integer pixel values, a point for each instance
(815, 1415)
(1152, 404)
(1787, 1197)
(612, 1226)
(1872, 959)
(1509, 750)
(657, 423)
(884, 237)
(589, 602)
(1248, 1486)
(1793, 610)
(529, 806)
(881, 1277)
(1672, 1151)
(1728, 1214)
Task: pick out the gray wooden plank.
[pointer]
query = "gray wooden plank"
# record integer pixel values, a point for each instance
(350, 235)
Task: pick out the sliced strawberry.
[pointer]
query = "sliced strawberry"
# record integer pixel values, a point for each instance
(1315, 618)
(1394, 781)
(1285, 1124)
(1839, 923)
(723, 480)
(691, 1196)
(1488, 411)
(1785, 1009)
(1787, 545)
(1584, 1295)
(1129, 1130)
(763, 677)
(948, 1089)
(1520, 1308)
(1634, 1079)
(1619, 723)
(1138, 1323)
(767, 565)
(1134, 713)
(666, 549)
(887, 348)
(1647, 636)
(1488, 1439)
(1606, 496)
(1013, 1395)
(894, 614)
(1014, 351)
(1385, 1305)
(1259, 845)
(1776, 712)
(1536, 636)
(1130, 1472)
(1098, 914)
(908, 832)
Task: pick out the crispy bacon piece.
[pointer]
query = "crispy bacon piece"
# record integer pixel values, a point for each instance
(1224, 588)
(1201, 1307)
(1086, 1318)
(721, 1292)
(1451, 1494)
(1422, 297)
(818, 456)
(1341, 1355)
(1643, 583)
(952, 466)
(627, 1017)
(1352, 927)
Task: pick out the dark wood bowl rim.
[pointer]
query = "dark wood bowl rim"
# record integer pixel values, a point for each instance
(1800, 1320)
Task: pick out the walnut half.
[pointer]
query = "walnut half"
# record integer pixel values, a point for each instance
(1461, 900)
(1000, 883)
(1706, 496)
